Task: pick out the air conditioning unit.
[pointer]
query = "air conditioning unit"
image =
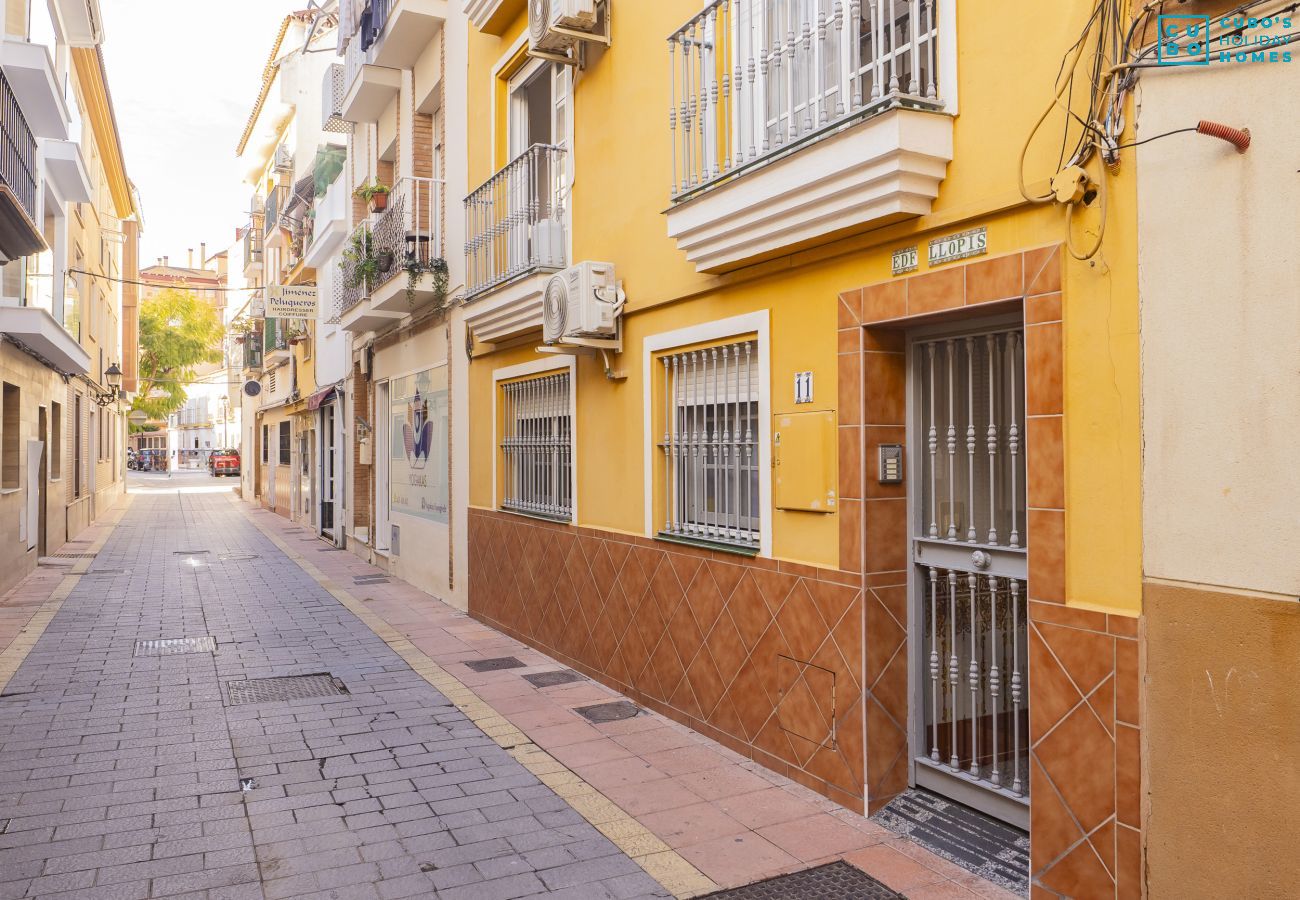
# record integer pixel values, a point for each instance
(582, 303)
(556, 25)
(283, 159)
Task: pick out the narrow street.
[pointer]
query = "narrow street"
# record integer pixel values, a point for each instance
(128, 772)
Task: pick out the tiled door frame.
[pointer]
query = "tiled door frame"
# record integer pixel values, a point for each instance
(1084, 719)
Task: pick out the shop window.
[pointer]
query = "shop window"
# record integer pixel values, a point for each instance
(11, 424)
(537, 446)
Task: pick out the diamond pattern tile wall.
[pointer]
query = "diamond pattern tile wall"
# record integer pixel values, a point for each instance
(767, 661)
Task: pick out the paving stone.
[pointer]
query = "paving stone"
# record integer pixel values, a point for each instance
(120, 774)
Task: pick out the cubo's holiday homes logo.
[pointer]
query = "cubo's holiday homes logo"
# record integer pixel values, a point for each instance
(1187, 41)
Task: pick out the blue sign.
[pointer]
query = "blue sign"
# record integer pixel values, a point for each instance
(1184, 41)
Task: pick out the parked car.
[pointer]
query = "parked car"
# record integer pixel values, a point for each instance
(223, 462)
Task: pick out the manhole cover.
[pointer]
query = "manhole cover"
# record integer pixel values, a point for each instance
(609, 712)
(551, 679)
(288, 687)
(836, 881)
(371, 579)
(494, 665)
(237, 557)
(174, 646)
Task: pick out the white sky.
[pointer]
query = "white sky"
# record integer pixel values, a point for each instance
(184, 75)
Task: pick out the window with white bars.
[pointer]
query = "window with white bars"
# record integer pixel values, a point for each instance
(537, 444)
(709, 445)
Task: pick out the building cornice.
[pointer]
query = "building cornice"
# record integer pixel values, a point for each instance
(93, 79)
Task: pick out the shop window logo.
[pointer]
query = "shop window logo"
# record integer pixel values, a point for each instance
(1184, 41)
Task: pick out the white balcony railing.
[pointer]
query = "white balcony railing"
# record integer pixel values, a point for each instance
(410, 230)
(515, 220)
(753, 78)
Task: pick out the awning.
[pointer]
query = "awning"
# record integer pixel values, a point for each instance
(320, 398)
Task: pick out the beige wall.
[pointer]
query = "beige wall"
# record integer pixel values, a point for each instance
(1220, 329)
(1222, 726)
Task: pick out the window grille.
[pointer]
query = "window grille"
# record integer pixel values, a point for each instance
(538, 447)
(710, 445)
(285, 444)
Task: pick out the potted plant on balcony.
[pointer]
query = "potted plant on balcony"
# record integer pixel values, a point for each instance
(359, 263)
(241, 328)
(415, 268)
(375, 193)
(296, 335)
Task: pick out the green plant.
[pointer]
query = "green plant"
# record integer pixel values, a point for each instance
(415, 268)
(243, 326)
(370, 189)
(360, 264)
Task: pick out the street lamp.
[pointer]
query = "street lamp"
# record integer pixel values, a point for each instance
(109, 397)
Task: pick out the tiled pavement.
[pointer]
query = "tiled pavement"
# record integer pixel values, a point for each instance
(120, 775)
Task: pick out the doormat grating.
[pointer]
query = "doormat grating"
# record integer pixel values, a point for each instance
(494, 665)
(834, 881)
(990, 848)
(286, 687)
(551, 679)
(175, 646)
(609, 712)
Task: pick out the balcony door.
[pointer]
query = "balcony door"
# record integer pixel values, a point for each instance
(539, 116)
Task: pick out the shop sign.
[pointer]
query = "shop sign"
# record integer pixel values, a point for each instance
(292, 302)
(905, 260)
(959, 246)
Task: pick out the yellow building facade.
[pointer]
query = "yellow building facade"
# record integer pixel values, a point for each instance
(866, 392)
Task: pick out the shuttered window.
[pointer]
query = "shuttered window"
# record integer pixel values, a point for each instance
(537, 446)
(709, 445)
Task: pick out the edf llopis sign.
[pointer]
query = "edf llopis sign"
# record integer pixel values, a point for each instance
(291, 302)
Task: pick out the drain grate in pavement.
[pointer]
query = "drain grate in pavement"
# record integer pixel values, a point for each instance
(175, 646)
(609, 712)
(237, 557)
(328, 549)
(990, 848)
(835, 881)
(287, 687)
(65, 555)
(551, 679)
(371, 579)
(494, 665)
(107, 572)
(190, 552)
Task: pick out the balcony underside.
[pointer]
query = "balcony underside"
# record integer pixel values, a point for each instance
(411, 27)
(31, 75)
(36, 329)
(19, 235)
(67, 170)
(881, 170)
(508, 311)
(369, 94)
(364, 317)
(393, 296)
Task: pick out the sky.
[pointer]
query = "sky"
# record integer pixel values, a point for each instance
(184, 76)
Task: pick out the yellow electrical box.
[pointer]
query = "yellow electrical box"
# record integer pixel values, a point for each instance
(804, 457)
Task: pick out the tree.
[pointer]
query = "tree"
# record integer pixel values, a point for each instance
(178, 333)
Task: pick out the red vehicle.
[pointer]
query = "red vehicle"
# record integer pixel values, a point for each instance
(224, 462)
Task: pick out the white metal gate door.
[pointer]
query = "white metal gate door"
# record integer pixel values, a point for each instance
(969, 631)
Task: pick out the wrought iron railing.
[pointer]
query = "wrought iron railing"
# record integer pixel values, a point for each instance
(409, 232)
(352, 283)
(275, 203)
(17, 151)
(753, 78)
(515, 222)
(252, 351)
(252, 246)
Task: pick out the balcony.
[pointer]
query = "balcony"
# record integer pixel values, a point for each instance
(32, 79)
(36, 329)
(19, 234)
(832, 127)
(275, 343)
(249, 353)
(82, 24)
(400, 30)
(333, 89)
(370, 87)
(273, 229)
(64, 166)
(352, 309)
(330, 225)
(408, 237)
(253, 248)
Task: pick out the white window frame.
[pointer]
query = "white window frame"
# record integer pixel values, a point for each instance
(557, 363)
(750, 323)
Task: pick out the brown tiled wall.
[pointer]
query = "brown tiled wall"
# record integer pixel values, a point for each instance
(761, 658)
(360, 499)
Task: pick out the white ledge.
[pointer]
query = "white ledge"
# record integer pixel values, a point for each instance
(881, 170)
(511, 309)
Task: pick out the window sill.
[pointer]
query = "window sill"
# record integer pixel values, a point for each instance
(560, 520)
(705, 544)
(9, 490)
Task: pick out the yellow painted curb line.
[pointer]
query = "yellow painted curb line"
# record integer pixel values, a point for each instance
(663, 863)
(12, 657)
